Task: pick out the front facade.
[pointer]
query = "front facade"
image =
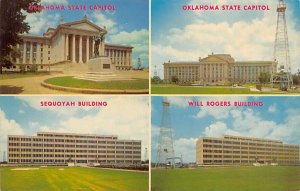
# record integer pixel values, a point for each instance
(236, 150)
(217, 69)
(62, 148)
(72, 42)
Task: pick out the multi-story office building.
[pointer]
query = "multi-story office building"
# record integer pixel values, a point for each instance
(62, 148)
(72, 42)
(235, 150)
(217, 69)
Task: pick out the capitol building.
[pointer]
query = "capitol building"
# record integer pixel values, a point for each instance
(217, 69)
(71, 42)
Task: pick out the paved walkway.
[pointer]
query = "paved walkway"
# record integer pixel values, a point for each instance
(253, 89)
(28, 85)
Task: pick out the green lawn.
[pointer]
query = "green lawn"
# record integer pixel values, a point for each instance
(72, 178)
(268, 178)
(175, 89)
(69, 81)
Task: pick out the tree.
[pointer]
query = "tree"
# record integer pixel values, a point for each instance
(264, 77)
(296, 78)
(156, 79)
(175, 79)
(12, 23)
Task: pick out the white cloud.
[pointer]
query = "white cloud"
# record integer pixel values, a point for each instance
(218, 129)
(40, 22)
(245, 37)
(272, 108)
(21, 111)
(154, 130)
(127, 118)
(7, 127)
(104, 21)
(186, 147)
(33, 124)
(289, 130)
(154, 141)
(139, 39)
(251, 124)
(179, 101)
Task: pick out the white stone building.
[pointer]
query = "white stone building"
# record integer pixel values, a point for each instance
(61, 148)
(72, 42)
(217, 69)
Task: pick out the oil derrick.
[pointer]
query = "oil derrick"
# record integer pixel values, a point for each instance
(165, 155)
(281, 52)
(155, 71)
(139, 64)
(146, 154)
(4, 157)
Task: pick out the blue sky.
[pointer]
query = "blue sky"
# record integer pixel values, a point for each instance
(127, 25)
(24, 116)
(179, 35)
(278, 118)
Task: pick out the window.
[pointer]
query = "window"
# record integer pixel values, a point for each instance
(106, 66)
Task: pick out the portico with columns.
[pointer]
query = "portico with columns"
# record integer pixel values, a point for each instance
(78, 48)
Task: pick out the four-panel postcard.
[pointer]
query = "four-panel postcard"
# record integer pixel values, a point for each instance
(149, 95)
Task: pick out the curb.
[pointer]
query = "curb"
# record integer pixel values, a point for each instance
(93, 91)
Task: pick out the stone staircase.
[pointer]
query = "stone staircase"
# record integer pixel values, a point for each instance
(75, 69)
(84, 72)
(69, 68)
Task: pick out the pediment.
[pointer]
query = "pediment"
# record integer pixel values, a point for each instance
(213, 59)
(84, 26)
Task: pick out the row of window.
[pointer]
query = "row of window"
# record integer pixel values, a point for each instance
(71, 156)
(72, 141)
(66, 161)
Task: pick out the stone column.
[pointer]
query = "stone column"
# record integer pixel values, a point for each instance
(102, 46)
(38, 53)
(99, 48)
(18, 59)
(122, 58)
(31, 53)
(87, 49)
(211, 72)
(130, 59)
(73, 49)
(24, 52)
(127, 58)
(93, 47)
(80, 49)
(67, 47)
